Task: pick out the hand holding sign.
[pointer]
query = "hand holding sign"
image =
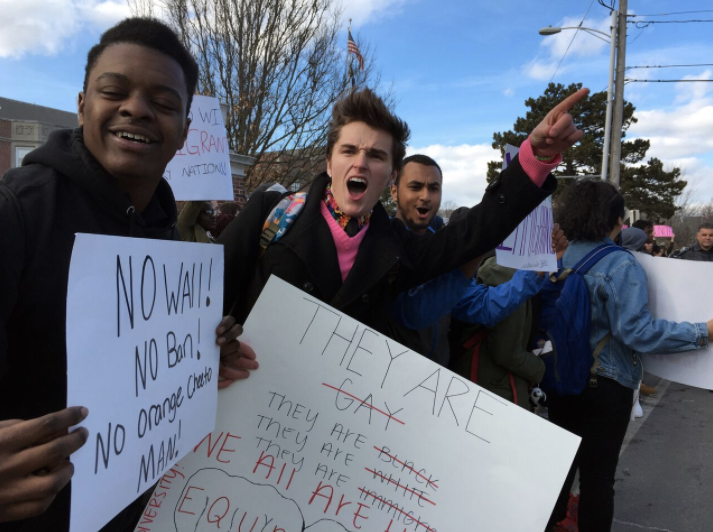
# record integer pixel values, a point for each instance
(559, 241)
(33, 461)
(154, 307)
(236, 359)
(557, 131)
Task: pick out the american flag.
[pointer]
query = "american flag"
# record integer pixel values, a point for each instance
(354, 49)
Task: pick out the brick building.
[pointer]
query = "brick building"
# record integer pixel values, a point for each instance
(24, 127)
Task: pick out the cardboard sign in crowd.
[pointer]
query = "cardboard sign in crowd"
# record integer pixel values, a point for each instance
(142, 357)
(342, 428)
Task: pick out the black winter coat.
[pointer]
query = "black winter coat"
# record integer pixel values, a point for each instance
(390, 259)
(60, 190)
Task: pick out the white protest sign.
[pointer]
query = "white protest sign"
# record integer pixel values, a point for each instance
(679, 291)
(342, 428)
(529, 247)
(201, 168)
(141, 356)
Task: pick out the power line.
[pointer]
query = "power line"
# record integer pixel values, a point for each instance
(669, 66)
(645, 24)
(672, 13)
(668, 80)
(641, 32)
(576, 32)
(609, 7)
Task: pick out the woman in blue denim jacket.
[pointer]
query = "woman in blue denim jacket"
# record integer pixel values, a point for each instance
(591, 214)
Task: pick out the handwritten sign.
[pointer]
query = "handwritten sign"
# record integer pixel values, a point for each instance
(679, 291)
(529, 247)
(343, 429)
(141, 356)
(201, 169)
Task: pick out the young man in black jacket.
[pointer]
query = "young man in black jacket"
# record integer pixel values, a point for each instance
(104, 177)
(344, 250)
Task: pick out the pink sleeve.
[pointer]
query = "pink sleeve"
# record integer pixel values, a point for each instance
(536, 170)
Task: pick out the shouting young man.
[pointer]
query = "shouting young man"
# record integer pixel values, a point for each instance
(343, 249)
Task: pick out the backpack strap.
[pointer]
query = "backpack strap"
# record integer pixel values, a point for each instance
(280, 219)
(595, 355)
(475, 342)
(585, 263)
(599, 253)
(581, 268)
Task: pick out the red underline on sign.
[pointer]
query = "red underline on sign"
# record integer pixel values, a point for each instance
(428, 481)
(363, 401)
(419, 495)
(365, 492)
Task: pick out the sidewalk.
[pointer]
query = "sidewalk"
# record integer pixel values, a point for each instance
(664, 481)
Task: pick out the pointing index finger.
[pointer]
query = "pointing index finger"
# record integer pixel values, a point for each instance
(572, 100)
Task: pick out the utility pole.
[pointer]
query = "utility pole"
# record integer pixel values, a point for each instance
(618, 118)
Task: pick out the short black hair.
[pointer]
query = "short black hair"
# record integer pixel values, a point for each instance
(425, 160)
(150, 33)
(705, 225)
(589, 210)
(643, 224)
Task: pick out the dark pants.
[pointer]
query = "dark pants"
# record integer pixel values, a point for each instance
(600, 417)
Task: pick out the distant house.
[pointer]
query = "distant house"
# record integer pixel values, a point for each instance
(25, 126)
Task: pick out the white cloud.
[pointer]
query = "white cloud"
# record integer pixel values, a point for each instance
(580, 44)
(699, 176)
(508, 92)
(36, 26)
(364, 11)
(682, 136)
(693, 91)
(106, 14)
(45, 26)
(541, 70)
(683, 131)
(464, 170)
(584, 44)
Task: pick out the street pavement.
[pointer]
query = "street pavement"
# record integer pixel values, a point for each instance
(664, 481)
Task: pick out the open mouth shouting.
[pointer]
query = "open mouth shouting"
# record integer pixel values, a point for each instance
(357, 187)
(423, 212)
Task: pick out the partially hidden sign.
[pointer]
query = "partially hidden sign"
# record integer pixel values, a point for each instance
(529, 247)
(343, 429)
(679, 291)
(200, 170)
(142, 357)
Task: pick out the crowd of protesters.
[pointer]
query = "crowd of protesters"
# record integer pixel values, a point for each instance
(397, 275)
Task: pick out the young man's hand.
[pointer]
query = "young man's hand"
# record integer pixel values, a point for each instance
(33, 461)
(557, 131)
(236, 358)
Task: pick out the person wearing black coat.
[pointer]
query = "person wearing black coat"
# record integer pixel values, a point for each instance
(363, 154)
(104, 177)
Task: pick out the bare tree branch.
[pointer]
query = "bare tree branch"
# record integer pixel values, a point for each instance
(278, 66)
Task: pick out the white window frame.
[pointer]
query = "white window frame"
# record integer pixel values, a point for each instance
(19, 155)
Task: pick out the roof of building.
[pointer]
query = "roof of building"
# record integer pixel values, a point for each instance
(16, 110)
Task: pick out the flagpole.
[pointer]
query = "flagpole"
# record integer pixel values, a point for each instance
(350, 73)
